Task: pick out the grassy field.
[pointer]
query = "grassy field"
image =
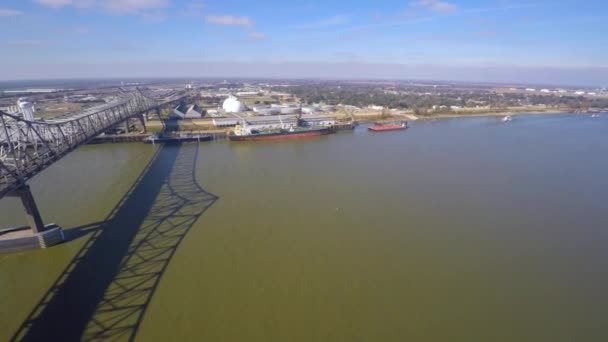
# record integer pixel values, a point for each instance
(155, 126)
(260, 99)
(55, 110)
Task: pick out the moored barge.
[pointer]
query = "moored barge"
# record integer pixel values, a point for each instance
(243, 133)
(380, 127)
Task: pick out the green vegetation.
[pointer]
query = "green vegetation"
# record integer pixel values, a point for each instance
(191, 126)
(154, 129)
(386, 113)
(432, 100)
(259, 99)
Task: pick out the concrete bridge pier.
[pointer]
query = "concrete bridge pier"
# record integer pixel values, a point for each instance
(159, 115)
(142, 119)
(34, 236)
(34, 220)
(127, 124)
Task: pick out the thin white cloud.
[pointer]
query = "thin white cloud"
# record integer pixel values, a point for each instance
(82, 30)
(193, 9)
(230, 20)
(26, 42)
(154, 17)
(7, 12)
(497, 9)
(198, 5)
(434, 5)
(257, 35)
(111, 6)
(55, 3)
(336, 20)
(415, 20)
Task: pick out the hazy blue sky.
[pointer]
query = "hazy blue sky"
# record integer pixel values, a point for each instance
(498, 40)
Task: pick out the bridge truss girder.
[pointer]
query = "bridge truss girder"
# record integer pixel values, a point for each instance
(28, 147)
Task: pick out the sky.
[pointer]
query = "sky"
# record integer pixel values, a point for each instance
(536, 41)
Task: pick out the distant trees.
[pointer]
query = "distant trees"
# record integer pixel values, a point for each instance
(423, 100)
(385, 113)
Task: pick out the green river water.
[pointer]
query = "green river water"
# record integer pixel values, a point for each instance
(465, 229)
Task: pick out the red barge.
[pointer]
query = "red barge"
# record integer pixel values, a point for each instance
(379, 127)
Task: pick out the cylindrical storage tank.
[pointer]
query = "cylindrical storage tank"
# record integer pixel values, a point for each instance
(26, 108)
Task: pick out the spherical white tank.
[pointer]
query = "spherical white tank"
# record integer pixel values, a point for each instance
(233, 105)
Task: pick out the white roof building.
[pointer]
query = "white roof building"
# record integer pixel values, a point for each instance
(184, 111)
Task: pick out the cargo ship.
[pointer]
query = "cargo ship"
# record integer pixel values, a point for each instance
(379, 127)
(244, 133)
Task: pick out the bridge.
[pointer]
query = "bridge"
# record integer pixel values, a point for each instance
(29, 147)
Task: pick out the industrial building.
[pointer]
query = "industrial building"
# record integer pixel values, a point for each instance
(23, 107)
(275, 109)
(315, 120)
(276, 121)
(11, 109)
(183, 111)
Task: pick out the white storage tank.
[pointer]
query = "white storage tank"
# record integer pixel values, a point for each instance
(233, 105)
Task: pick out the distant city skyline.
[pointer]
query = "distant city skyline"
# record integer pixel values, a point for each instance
(462, 40)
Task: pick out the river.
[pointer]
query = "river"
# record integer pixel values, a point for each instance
(457, 229)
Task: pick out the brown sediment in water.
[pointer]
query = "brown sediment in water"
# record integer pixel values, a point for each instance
(15, 233)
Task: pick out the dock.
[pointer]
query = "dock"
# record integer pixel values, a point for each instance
(174, 139)
(118, 138)
(344, 126)
(191, 136)
(154, 138)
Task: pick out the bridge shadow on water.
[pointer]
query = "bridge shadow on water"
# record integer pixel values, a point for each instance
(105, 290)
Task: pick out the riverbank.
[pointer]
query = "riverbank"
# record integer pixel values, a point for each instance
(375, 117)
(205, 125)
(476, 115)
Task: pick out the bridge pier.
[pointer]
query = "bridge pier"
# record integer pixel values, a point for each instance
(127, 130)
(34, 236)
(28, 147)
(142, 119)
(34, 220)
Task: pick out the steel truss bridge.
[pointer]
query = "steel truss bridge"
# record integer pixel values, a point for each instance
(29, 147)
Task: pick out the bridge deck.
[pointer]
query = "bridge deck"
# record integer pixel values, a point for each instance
(28, 147)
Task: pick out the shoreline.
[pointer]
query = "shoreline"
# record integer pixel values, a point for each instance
(371, 117)
(481, 115)
(412, 117)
